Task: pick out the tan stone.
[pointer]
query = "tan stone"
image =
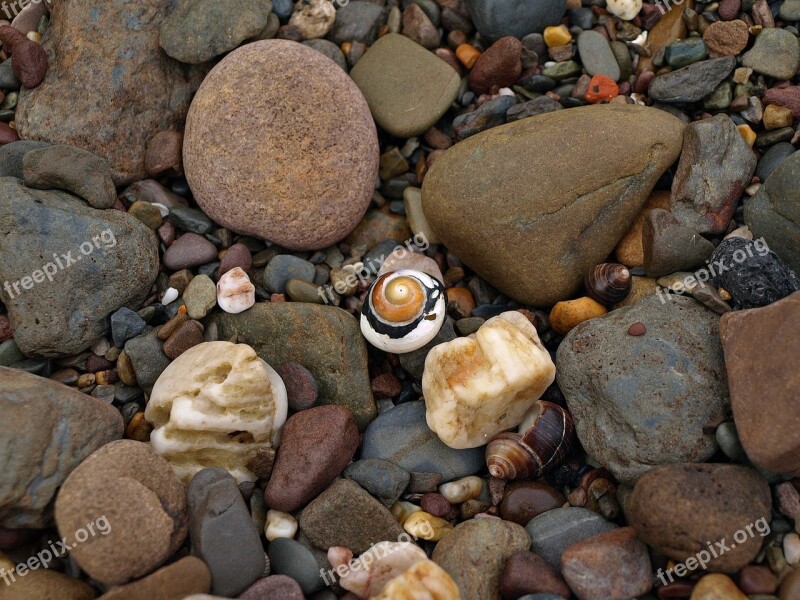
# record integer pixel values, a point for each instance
(776, 117)
(568, 314)
(716, 586)
(424, 581)
(43, 584)
(629, 250)
(641, 287)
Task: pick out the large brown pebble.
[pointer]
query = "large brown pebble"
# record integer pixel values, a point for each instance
(761, 347)
(614, 565)
(189, 575)
(524, 500)
(237, 255)
(189, 250)
(30, 59)
(164, 154)
(274, 586)
(127, 491)
(528, 573)
(299, 136)
(678, 509)
(301, 387)
(316, 445)
(500, 65)
(187, 335)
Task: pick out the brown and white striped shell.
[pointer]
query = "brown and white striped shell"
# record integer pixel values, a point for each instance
(608, 283)
(544, 439)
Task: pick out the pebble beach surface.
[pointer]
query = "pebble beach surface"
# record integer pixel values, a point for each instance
(400, 300)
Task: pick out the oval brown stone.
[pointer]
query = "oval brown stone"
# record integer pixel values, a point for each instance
(524, 500)
(280, 144)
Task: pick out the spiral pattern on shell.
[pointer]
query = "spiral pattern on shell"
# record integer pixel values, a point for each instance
(403, 311)
(546, 440)
(608, 283)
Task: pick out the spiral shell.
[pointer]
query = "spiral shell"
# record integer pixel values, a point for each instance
(608, 283)
(544, 439)
(403, 311)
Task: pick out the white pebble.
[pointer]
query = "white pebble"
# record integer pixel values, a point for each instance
(791, 549)
(462, 489)
(235, 293)
(279, 525)
(164, 210)
(624, 9)
(169, 296)
(639, 41)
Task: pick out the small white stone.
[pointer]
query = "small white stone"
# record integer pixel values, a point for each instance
(462, 489)
(169, 296)
(791, 549)
(235, 293)
(402, 510)
(742, 232)
(164, 210)
(313, 18)
(279, 525)
(641, 39)
(624, 9)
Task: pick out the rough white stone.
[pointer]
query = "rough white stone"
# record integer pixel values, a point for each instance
(279, 525)
(216, 405)
(235, 293)
(477, 386)
(376, 567)
(624, 9)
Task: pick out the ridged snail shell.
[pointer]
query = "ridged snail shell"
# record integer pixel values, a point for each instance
(544, 439)
(608, 283)
(403, 311)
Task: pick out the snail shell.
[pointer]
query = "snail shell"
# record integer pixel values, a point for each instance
(403, 311)
(608, 283)
(544, 439)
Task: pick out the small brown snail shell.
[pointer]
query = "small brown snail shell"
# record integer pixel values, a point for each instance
(608, 283)
(546, 439)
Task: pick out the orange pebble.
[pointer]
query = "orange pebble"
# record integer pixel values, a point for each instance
(460, 301)
(601, 89)
(182, 308)
(467, 55)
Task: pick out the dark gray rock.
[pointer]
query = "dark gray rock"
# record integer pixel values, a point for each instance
(775, 53)
(198, 30)
(643, 401)
(554, 531)
(771, 159)
(72, 169)
(384, 480)
(692, 83)
(284, 267)
(357, 21)
(531, 108)
(222, 532)
(774, 212)
(716, 165)
(752, 274)
(97, 261)
(46, 431)
(489, 114)
(289, 557)
(126, 324)
(498, 18)
(147, 358)
(670, 246)
(11, 156)
(190, 219)
(401, 435)
(8, 81)
(346, 515)
(329, 49)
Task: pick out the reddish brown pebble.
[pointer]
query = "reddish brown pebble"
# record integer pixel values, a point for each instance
(790, 586)
(237, 255)
(449, 57)
(437, 139)
(497, 488)
(729, 9)
(186, 336)
(637, 329)
(138, 429)
(754, 579)
(435, 504)
(301, 387)
(11, 538)
(676, 589)
(7, 134)
(65, 376)
(523, 500)
(30, 59)
(98, 363)
(166, 233)
(274, 586)
(189, 250)
(500, 65)
(164, 154)
(643, 81)
(386, 385)
(277, 298)
(784, 96)
(528, 573)
(5, 328)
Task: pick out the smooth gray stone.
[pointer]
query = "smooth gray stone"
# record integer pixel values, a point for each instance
(498, 18)
(289, 557)
(596, 55)
(692, 83)
(554, 531)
